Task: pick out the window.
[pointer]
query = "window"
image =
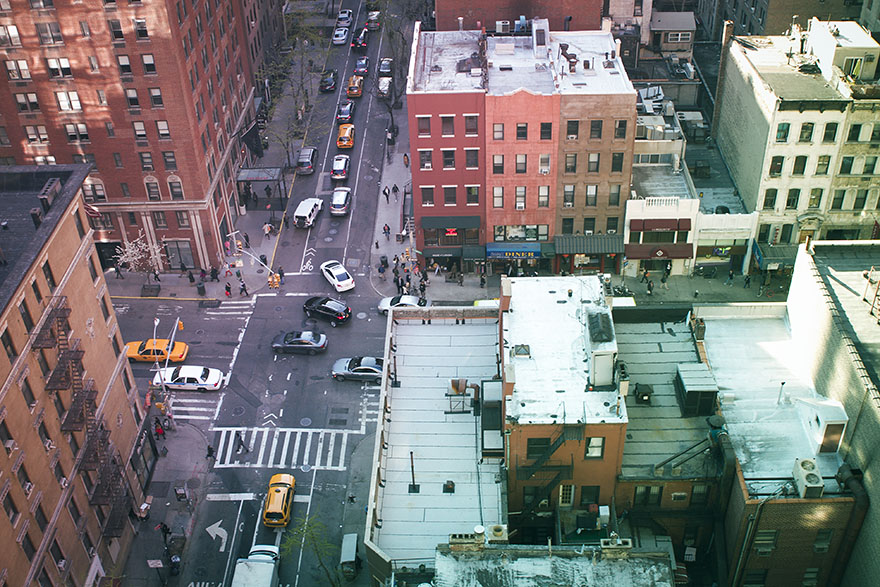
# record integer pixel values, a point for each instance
(497, 197)
(571, 162)
(27, 102)
(765, 540)
(71, 506)
(700, 494)
(117, 160)
(427, 196)
(17, 69)
(140, 130)
(593, 162)
(822, 164)
(49, 33)
(149, 63)
(472, 192)
(776, 165)
(830, 134)
(770, 199)
(837, 200)
(124, 64)
(620, 129)
(449, 195)
(59, 67)
(170, 161)
(648, 495)
(9, 36)
(470, 125)
(131, 96)
(25, 316)
(425, 160)
(162, 129)
(800, 165)
(152, 190)
(472, 158)
(595, 447)
(567, 225)
(589, 225)
(424, 125)
(448, 158)
(782, 132)
(611, 224)
(870, 165)
(815, 198)
(846, 164)
(182, 219)
(861, 198)
(115, 30)
(543, 196)
(68, 101)
(754, 578)
(159, 219)
(854, 131)
(156, 98)
(875, 133)
(521, 163)
(447, 126)
(43, 160)
(614, 195)
(568, 196)
(794, 195)
(520, 197)
(547, 131)
(140, 29)
(806, 135)
(823, 541)
(589, 494)
(678, 37)
(36, 134)
(498, 131)
(522, 131)
(11, 511)
(591, 191)
(76, 133)
(497, 164)
(595, 129)
(571, 129)
(616, 162)
(175, 188)
(146, 161)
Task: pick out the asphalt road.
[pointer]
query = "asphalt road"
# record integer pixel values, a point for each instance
(290, 413)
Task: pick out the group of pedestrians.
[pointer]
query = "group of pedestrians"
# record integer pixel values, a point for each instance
(408, 282)
(664, 279)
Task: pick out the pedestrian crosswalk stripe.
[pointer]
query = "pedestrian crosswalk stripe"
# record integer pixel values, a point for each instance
(269, 448)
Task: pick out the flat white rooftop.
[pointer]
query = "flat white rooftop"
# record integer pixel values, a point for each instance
(552, 377)
(444, 446)
(751, 358)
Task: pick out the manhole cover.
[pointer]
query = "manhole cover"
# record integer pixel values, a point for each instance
(237, 411)
(361, 315)
(332, 231)
(305, 468)
(305, 422)
(200, 332)
(279, 308)
(328, 239)
(193, 483)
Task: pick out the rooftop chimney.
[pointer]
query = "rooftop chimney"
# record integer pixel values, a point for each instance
(37, 216)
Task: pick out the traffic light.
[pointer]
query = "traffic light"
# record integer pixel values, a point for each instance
(274, 280)
(180, 324)
(406, 254)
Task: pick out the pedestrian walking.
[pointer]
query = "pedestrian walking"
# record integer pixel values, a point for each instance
(405, 160)
(210, 454)
(645, 274)
(399, 283)
(650, 287)
(286, 220)
(214, 275)
(191, 277)
(386, 230)
(436, 268)
(247, 240)
(242, 288)
(156, 276)
(386, 192)
(396, 261)
(267, 230)
(381, 272)
(228, 289)
(281, 275)
(160, 432)
(396, 191)
(747, 282)
(395, 271)
(482, 281)
(203, 275)
(729, 278)
(228, 270)
(663, 281)
(118, 270)
(240, 444)
(182, 267)
(422, 288)
(166, 531)
(377, 245)
(461, 279)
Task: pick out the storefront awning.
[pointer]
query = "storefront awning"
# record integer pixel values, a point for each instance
(548, 250)
(259, 174)
(441, 252)
(774, 256)
(513, 250)
(589, 244)
(450, 221)
(652, 224)
(474, 252)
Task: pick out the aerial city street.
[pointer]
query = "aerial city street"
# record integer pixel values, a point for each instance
(432, 292)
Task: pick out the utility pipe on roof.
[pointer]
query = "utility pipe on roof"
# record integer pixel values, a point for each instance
(846, 478)
(754, 519)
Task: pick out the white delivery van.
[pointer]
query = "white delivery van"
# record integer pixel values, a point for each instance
(259, 569)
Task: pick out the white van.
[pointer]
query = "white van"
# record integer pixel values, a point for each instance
(384, 87)
(307, 212)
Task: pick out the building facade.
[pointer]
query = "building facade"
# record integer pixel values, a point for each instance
(77, 452)
(769, 17)
(505, 16)
(155, 96)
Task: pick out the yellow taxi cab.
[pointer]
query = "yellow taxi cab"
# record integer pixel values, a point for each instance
(156, 349)
(276, 509)
(345, 139)
(355, 88)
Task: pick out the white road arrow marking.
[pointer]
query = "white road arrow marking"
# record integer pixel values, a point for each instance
(214, 530)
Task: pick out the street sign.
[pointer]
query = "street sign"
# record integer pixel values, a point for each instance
(154, 563)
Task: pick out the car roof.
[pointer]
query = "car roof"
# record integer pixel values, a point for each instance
(189, 370)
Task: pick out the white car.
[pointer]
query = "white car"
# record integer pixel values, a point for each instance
(189, 378)
(335, 273)
(402, 302)
(340, 36)
(340, 167)
(343, 19)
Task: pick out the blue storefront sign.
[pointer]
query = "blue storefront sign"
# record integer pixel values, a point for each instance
(513, 250)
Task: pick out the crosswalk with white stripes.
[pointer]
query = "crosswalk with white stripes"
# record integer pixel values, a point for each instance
(231, 309)
(194, 407)
(322, 449)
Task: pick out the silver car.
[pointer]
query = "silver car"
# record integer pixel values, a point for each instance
(340, 202)
(358, 368)
(402, 302)
(340, 36)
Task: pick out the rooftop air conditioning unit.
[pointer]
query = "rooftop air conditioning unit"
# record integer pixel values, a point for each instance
(64, 482)
(502, 26)
(28, 487)
(49, 445)
(807, 479)
(62, 564)
(588, 232)
(10, 445)
(571, 137)
(568, 204)
(545, 171)
(612, 231)
(520, 206)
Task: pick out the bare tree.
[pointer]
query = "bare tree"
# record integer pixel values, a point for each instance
(141, 256)
(310, 534)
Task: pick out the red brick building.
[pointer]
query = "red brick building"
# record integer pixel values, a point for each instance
(154, 95)
(582, 15)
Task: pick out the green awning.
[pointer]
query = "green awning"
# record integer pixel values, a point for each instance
(589, 244)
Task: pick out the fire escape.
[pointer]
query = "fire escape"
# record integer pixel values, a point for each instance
(98, 453)
(552, 472)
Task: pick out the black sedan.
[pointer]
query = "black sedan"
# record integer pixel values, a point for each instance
(328, 80)
(359, 368)
(332, 310)
(300, 342)
(345, 112)
(362, 66)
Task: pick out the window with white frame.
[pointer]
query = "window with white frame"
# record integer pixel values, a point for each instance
(498, 197)
(427, 195)
(678, 37)
(520, 194)
(473, 194)
(68, 101)
(424, 125)
(449, 195)
(17, 70)
(543, 196)
(472, 158)
(426, 159)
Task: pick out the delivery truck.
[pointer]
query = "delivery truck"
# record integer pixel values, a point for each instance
(259, 569)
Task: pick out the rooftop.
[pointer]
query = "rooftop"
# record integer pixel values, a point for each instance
(559, 349)
(444, 60)
(444, 446)
(20, 240)
(673, 21)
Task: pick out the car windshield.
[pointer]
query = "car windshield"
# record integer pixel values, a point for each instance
(355, 363)
(176, 373)
(205, 373)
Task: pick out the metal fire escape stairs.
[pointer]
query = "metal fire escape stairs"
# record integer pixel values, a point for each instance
(543, 466)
